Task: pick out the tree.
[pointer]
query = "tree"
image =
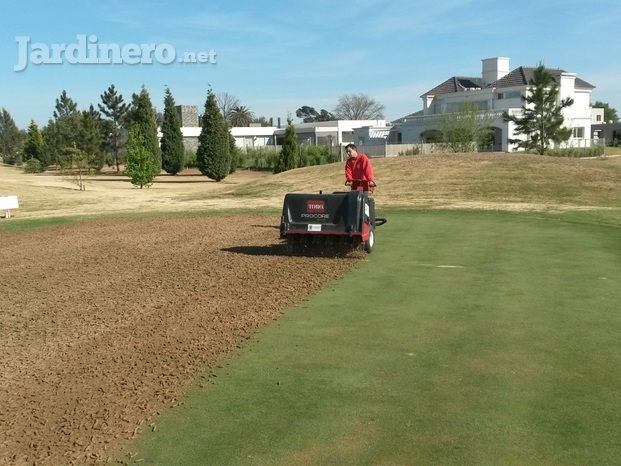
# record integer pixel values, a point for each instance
(172, 147)
(49, 133)
(64, 106)
(324, 115)
(358, 107)
(213, 156)
(77, 165)
(263, 121)
(226, 104)
(89, 138)
(10, 139)
(542, 118)
(310, 115)
(143, 114)
(610, 114)
(33, 148)
(241, 116)
(287, 159)
(139, 163)
(465, 130)
(67, 128)
(236, 154)
(115, 109)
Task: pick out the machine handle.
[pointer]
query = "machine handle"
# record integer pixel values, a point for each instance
(362, 185)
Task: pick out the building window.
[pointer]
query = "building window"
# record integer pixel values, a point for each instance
(510, 95)
(598, 117)
(579, 132)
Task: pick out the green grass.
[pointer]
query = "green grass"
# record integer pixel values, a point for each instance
(465, 338)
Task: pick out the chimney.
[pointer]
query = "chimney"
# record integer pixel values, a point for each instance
(494, 69)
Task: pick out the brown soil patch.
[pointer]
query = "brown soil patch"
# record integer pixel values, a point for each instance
(104, 323)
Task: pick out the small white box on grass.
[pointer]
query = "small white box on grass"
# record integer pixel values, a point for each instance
(7, 203)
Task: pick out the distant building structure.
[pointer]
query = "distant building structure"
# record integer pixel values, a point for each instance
(188, 114)
(497, 90)
(333, 134)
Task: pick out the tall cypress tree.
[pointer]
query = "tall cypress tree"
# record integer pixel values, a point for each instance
(213, 156)
(235, 153)
(33, 148)
(172, 138)
(115, 109)
(143, 114)
(288, 156)
(542, 117)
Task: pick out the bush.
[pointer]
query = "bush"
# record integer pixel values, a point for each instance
(242, 158)
(411, 151)
(316, 155)
(33, 166)
(595, 151)
(262, 158)
(189, 159)
(11, 159)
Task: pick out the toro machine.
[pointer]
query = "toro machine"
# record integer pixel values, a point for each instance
(330, 224)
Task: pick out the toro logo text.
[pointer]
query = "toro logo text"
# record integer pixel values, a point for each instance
(316, 210)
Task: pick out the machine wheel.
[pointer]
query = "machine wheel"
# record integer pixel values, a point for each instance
(368, 245)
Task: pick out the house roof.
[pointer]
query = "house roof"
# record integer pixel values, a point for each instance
(518, 77)
(457, 84)
(411, 115)
(522, 76)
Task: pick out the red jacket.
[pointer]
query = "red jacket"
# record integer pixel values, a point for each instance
(358, 168)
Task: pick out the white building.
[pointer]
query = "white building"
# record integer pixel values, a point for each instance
(334, 134)
(496, 91)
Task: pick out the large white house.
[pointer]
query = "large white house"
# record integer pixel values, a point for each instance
(496, 91)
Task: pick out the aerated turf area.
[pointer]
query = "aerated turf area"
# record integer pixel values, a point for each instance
(465, 338)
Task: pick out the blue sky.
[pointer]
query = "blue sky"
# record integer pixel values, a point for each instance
(277, 56)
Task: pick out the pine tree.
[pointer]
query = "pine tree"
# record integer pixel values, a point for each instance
(143, 114)
(10, 139)
(542, 114)
(89, 140)
(212, 156)
(172, 138)
(64, 106)
(288, 156)
(67, 119)
(33, 148)
(115, 109)
(139, 165)
(50, 137)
